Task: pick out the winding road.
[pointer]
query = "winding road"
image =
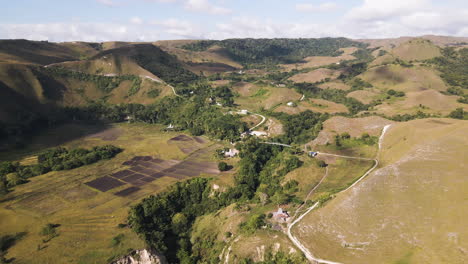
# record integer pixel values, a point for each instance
(261, 122)
(294, 239)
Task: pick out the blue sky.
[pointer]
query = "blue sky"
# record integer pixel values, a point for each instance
(149, 20)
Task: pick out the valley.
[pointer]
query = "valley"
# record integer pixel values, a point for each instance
(327, 150)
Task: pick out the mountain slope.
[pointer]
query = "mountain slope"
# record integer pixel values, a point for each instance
(409, 210)
(35, 52)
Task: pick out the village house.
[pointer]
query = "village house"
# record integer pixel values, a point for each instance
(281, 215)
(231, 153)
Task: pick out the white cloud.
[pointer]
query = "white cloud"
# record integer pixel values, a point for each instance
(384, 9)
(92, 32)
(107, 2)
(323, 7)
(396, 18)
(180, 28)
(248, 27)
(204, 6)
(136, 20)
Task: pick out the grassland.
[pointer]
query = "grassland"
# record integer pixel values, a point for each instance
(320, 61)
(339, 85)
(253, 97)
(364, 96)
(88, 218)
(354, 126)
(400, 78)
(314, 76)
(408, 211)
(417, 49)
(315, 105)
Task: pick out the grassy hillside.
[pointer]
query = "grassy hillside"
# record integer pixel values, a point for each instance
(35, 52)
(152, 59)
(408, 211)
(417, 49)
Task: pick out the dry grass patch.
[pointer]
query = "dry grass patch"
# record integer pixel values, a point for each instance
(338, 85)
(315, 105)
(315, 76)
(429, 101)
(257, 97)
(400, 78)
(256, 246)
(363, 96)
(409, 209)
(219, 83)
(417, 49)
(245, 88)
(372, 125)
(319, 61)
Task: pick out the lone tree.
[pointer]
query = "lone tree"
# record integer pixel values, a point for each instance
(223, 166)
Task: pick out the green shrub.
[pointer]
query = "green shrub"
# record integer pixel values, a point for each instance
(153, 93)
(223, 166)
(117, 240)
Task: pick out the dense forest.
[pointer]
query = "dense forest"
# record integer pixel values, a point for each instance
(274, 51)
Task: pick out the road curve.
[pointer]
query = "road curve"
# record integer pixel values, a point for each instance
(294, 239)
(312, 191)
(261, 122)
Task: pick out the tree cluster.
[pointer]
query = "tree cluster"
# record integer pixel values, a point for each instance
(13, 173)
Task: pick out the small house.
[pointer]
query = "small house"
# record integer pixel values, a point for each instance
(281, 215)
(231, 153)
(243, 112)
(259, 133)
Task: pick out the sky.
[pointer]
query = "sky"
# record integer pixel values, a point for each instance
(151, 20)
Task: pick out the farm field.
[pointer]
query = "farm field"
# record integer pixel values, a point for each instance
(91, 201)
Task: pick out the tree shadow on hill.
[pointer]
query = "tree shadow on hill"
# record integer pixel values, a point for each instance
(6, 242)
(16, 148)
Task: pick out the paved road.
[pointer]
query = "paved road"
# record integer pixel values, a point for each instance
(295, 240)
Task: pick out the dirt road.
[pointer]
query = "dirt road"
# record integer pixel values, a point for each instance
(295, 240)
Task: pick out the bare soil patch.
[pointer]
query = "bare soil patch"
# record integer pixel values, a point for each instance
(110, 134)
(181, 138)
(245, 89)
(105, 183)
(127, 191)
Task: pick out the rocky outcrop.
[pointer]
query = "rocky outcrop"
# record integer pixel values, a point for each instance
(143, 256)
